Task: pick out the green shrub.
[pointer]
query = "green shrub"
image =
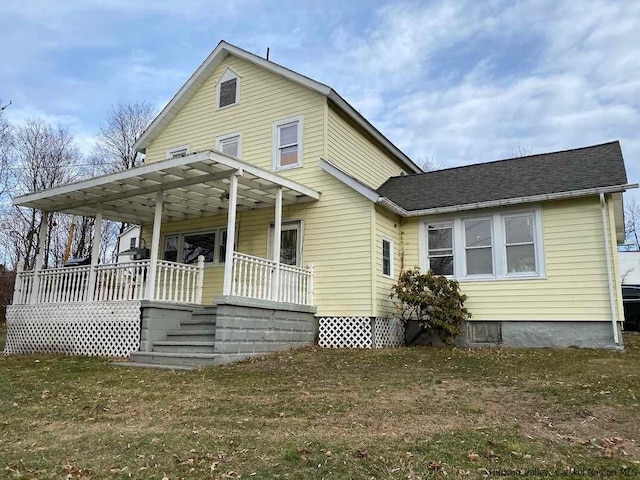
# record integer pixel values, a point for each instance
(434, 301)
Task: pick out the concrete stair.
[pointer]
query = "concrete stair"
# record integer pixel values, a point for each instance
(191, 346)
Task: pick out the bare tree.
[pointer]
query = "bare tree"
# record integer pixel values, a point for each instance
(123, 127)
(45, 157)
(632, 224)
(6, 144)
(429, 163)
(521, 150)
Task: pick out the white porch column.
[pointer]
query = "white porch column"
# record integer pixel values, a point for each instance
(42, 244)
(277, 237)
(17, 287)
(95, 255)
(155, 246)
(231, 233)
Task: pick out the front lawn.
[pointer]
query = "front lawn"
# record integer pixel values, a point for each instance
(313, 413)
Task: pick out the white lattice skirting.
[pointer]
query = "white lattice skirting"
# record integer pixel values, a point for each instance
(86, 328)
(360, 332)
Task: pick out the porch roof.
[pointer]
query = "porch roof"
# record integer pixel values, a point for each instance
(194, 186)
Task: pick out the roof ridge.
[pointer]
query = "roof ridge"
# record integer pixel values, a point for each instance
(612, 142)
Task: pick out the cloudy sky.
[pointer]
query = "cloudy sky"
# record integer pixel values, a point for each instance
(453, 81)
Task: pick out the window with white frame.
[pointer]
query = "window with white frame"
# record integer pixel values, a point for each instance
(230, 144)
(187, 247)
(290, 243)
(500, 245)
(478, 246)
(178, 152)
(387, 257)
(287, 143)
(228, 89)
(520, 244)
(440, 248)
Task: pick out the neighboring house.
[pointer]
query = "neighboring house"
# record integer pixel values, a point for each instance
(271, 206)
(630, 275)
(128, 241)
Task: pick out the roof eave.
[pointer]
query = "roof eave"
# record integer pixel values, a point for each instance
(394, 207)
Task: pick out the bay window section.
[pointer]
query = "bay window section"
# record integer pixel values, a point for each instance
(440, 248)
(478, 246)
(520, 244)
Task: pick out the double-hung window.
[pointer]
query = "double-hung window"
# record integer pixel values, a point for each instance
(440, 248)
(478, 246)
(287, 143)
(520, 244)
(187, 247)
(230, 144)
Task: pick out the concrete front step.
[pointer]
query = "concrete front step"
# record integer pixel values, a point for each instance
(154, 365)
(171, 359)
(198, 323)
(168, 346)
(203, 335)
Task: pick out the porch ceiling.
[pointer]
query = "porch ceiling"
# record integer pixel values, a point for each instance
(194, 186)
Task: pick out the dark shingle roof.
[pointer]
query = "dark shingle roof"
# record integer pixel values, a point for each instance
(569, 170)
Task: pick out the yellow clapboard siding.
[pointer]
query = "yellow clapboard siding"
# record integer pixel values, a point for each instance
(357, 154)
(388, 225)
(575, 287)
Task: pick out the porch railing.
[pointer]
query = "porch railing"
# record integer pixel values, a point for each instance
(175, 282)
(256, 277)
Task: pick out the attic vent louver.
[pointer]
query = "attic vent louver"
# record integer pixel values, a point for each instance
(228, 92)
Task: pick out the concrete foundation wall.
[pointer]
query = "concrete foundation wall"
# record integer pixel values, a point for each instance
(158, 318)
(259, 326)
(530, 334)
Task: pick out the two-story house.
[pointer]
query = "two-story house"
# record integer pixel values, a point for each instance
(272, 209)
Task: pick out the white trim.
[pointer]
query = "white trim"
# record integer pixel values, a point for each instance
(394, 207)
(173, 150)
(275, 142)
(348, 180)
(221, 138)
(216, 57)
(223, 78)
(391, 254)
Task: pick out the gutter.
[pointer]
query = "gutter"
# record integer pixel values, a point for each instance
(608, 253)
(394, 207)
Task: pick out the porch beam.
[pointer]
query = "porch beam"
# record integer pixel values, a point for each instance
(95, 255)
(42, 245)
(277, 234)
(231, 233)
(155, 246)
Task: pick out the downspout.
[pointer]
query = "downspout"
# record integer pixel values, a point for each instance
(605, 230)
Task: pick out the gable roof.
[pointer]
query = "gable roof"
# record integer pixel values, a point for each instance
(217, 56)
(526, 178)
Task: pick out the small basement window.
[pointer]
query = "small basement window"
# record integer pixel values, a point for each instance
(228, 89)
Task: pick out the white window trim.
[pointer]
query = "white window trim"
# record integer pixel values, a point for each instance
(228, 74)
(172, 150)
(445, 224)
(391, 254)
(287, 225)
(484, 247)
(276, 147)
(228, 136)
(498, 243)
(181, 234)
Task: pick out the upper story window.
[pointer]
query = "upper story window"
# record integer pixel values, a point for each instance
(178, 152)
(387, 257)
(230, 144)
(228, 89)
(287, 143)
(500, 245)
(132, 242)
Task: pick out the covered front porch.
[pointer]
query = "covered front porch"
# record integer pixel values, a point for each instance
(203, 184)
